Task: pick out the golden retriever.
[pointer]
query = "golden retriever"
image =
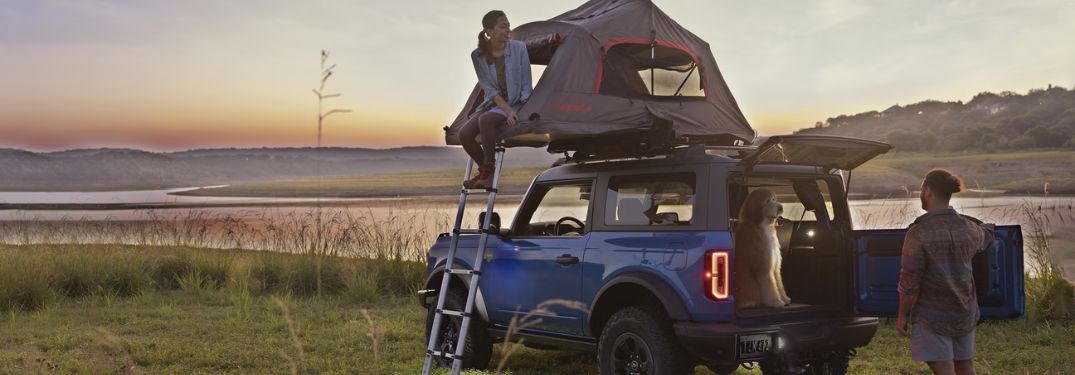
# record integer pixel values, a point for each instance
(757, 281)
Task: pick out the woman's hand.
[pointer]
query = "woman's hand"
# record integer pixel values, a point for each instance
(513, 117)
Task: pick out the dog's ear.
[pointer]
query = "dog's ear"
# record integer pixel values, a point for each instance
(751, 211)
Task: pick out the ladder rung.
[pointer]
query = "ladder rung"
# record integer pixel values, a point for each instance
(473, 231)
(460, 314)
(461, 271)
(438, 353)
(479, 191)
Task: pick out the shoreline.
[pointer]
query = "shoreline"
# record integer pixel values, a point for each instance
(367, 200)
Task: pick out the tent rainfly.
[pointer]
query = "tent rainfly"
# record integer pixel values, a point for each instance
(617, 69)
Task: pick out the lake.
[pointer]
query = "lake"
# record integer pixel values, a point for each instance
(362, 225)
(867, 214)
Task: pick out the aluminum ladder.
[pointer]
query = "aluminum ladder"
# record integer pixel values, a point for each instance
(474, 274)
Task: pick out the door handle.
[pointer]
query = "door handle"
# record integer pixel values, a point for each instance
(567, 260)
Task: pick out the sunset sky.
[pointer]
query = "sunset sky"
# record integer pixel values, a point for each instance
(174, 75)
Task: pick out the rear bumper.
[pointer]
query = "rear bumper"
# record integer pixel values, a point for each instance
(717, 342)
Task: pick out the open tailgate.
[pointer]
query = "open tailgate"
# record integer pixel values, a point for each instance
(833, 152)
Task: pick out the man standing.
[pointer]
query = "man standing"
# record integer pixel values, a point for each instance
(937, 281)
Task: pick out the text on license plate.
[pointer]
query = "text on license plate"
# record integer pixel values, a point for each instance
(754, 345)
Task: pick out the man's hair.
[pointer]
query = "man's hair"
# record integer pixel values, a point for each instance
(943, 183)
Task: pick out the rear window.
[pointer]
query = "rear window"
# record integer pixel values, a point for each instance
(649, 200)
(642, 70)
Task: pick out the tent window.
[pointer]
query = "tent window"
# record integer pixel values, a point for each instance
(641, 70)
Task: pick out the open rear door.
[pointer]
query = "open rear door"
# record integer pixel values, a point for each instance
(843, 153)
(999, 274)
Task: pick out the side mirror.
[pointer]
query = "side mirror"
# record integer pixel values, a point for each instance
(494, 221)
(669, 217)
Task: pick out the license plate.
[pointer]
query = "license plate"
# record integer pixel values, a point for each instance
(751, 346)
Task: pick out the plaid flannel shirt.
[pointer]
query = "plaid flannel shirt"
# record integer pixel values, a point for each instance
(936, 270)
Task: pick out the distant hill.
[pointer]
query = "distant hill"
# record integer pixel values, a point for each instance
(1042, 118)
(122, 169)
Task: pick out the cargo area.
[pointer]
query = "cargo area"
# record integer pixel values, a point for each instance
(816, 262)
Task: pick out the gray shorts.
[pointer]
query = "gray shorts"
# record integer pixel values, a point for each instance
(928, 346)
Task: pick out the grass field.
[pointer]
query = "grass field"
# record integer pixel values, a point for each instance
(889, 175)
(179, 333)
(238, 325)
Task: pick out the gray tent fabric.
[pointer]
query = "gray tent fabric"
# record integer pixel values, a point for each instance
(601, 58)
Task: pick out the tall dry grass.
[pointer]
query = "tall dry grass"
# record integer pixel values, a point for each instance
(1049, 295)
(33, 277)
(399, 233)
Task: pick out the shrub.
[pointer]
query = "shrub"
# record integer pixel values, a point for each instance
(269, 274)
(361, 286)
(77, 275)
(1049, 295)
(398, 277)
(167, 270)
(126, 276)
(1054, 299)
(300, 274)
(212, 266)
(24, 283)
(317, 274)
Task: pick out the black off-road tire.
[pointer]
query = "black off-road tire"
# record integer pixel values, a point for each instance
(478, 348)
(724, 369)
(641, 336)
(834, 364)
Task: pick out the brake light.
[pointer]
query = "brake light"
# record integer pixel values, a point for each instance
(716, 275)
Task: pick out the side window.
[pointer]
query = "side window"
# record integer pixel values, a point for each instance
(657, 199)
(801, 201)
(562, 211)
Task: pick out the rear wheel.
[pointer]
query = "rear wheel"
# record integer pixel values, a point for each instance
(639, 341)
(478, 348)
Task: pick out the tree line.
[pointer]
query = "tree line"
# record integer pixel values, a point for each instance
(1041, 118)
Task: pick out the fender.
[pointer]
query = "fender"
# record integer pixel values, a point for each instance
(432, 284)
(668, 297)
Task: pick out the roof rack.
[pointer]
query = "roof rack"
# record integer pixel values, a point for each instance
(731, 148)
(680, 151)
(736, 152)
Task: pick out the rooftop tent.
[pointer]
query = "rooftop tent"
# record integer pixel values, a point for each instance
(617, 69)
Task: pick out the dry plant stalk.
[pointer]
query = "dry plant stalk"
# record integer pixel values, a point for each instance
(293, 330)
(528, 320)
(113, 345)
(376, 334)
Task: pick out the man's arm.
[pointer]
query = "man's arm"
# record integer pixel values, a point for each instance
(989, 236)
(912, 264)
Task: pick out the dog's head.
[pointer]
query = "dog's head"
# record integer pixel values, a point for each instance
(761, 207)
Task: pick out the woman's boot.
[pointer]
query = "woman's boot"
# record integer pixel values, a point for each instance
(485, 177)
(469, 184)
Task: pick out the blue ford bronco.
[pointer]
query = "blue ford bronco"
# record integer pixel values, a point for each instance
(644, 249)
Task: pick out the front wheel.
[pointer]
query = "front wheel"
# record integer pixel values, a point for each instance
(478, 348)
(639, 341)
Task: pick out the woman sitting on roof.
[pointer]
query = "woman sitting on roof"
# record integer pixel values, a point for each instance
(503, 68)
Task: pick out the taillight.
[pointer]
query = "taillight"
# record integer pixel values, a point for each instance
(716, 275)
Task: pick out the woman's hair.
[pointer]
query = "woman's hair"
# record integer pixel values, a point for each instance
(943, 183)
(488, 22)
